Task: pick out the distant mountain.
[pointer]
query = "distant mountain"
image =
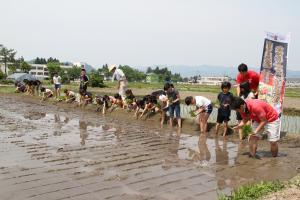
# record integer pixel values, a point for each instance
(86, 66)
(210, 70)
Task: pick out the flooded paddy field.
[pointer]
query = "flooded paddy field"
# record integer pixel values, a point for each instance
(59, 151)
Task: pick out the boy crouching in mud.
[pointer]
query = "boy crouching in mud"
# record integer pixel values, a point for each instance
(150, 105)
(86, 97)
(46, 94)
(70, 96)
(162, 104)
(20, 87)
(103, 102)
(129, 101)
(116, 102)
(264, 117)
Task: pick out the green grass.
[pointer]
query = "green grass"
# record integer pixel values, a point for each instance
(7, 89)
(254, 191)
(292, 92)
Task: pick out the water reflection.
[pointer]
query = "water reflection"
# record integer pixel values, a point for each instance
(172, 156)
(57, 125)
(222, 159)
(222, 156)
(204, 153)
(83, 131)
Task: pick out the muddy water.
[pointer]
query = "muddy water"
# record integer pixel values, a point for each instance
(60, 152)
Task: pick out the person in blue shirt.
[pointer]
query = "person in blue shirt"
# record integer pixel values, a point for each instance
(224, 111)
(174, 103)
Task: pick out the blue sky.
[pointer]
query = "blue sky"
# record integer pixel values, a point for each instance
(143, 33)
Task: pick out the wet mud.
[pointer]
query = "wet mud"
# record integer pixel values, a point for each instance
(59, 151)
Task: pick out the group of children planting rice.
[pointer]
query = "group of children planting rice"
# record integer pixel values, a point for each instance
(250, 110)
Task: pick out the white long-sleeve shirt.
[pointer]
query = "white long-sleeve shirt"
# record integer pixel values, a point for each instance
(118, 75)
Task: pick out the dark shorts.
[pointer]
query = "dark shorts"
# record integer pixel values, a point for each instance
(223, 115)
(174, 108)
(57, 86)
(223, 118)
(209, 109)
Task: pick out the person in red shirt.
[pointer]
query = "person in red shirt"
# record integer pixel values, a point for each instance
(264, 117)
(246, 75)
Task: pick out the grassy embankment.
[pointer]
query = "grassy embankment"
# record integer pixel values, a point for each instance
(263, 189)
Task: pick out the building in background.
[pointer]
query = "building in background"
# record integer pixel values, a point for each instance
(208, 80)
(152, 78)
(293, 82)
(41, 71)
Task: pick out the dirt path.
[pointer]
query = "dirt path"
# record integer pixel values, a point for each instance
(63, 152)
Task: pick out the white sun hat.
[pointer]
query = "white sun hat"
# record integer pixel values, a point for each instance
(111, 67)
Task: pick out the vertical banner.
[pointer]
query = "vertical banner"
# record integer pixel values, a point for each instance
(273, 70)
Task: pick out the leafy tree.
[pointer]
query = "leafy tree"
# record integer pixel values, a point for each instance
(95, 80)
(149, 70)
(74, 73)
(176, 77)
(40, 61)
(53, 67)
(12, 68)
(25, 67)
(104, 71)
(7, 56)
(133, 74)
(2, 75)
(164, 74)
(64, 76)
(52, 60)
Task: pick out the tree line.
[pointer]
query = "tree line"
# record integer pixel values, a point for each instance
(7, 56)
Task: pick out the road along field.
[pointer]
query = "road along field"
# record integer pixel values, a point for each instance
(59, 151)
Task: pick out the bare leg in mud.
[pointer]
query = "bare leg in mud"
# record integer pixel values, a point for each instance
(274, 148)
(217, 128)
(163, 116)
(225, 128)
(253, 145)
(240, 131)
(179, 122)
(203, 122)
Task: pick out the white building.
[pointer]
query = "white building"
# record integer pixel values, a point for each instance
(41, 71)
(212, 80)
(293, 82)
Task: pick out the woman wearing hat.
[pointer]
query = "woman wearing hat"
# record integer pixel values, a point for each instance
(119, 75)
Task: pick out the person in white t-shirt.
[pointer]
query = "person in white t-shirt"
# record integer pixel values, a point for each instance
(46, 93)
(70, 96)
(203, 109)
(57, 85)
(119, 75)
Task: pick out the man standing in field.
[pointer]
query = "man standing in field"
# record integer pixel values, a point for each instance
(264, 117)
(119, 75)
(250, 76)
